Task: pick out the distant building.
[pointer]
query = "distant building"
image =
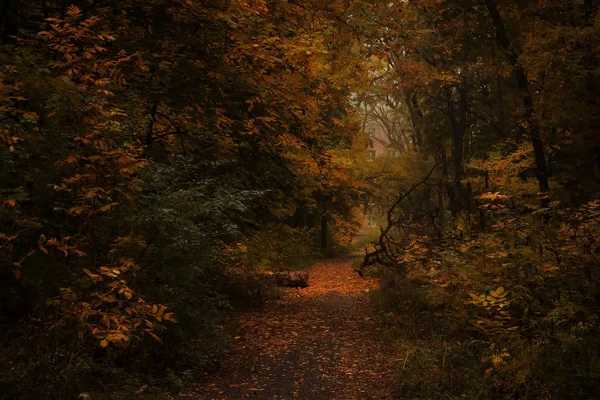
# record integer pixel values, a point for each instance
(379, 143)
(377, 147)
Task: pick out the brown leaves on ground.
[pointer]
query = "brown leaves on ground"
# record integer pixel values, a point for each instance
(315, 343)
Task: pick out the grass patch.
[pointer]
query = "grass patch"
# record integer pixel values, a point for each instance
(435, 358)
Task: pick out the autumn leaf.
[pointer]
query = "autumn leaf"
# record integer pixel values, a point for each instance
(107, 207)
(30, 116)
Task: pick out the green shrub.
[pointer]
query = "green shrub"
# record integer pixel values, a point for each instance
(279, 247)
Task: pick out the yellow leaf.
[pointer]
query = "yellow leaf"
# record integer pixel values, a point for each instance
(104, 343)
(107, 207)
(92, 276)
(155, 337)
(337, 122)
(89, 273)
(30, 115)
(169, 317)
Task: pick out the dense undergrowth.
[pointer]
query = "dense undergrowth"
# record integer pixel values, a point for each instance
(504, 305)
(487, 196)
(157, 158)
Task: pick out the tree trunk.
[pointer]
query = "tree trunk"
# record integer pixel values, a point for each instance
(9, 26)
(440, 195)
(501, 113)
(591, 65)
(522, 82)
(310, 219)
(458, 123)
(150, 128)
(416, 117)
(324, 217)
(589, 10)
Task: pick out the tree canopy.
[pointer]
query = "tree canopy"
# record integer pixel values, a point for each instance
(159, 158)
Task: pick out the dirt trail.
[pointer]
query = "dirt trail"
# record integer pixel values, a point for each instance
(315, 343)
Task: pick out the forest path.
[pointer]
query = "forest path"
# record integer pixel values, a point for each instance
(321, 342)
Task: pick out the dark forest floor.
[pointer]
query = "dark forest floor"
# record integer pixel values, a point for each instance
(321, 342)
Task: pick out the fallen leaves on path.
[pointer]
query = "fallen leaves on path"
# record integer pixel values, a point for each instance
(315, 343)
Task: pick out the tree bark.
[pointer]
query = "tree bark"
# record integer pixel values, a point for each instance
(458, 123)
(150, 129)
(324, 218)
(591, 85)
(501, 113)
(416, 117)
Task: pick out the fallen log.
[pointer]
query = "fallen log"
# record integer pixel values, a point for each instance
(293, 279)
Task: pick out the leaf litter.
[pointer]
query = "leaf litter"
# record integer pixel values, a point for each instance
(321, 342)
